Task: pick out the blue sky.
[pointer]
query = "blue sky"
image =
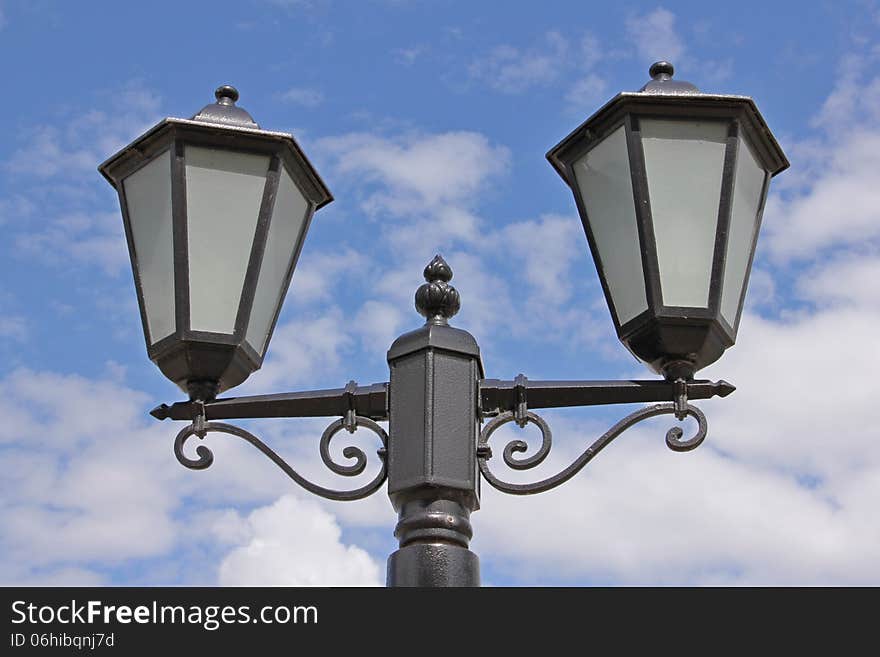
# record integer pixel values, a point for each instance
(429, 122)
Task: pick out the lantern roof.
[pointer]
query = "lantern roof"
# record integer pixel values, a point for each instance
(662, 96)
(231, 126)
(662, 83)
(224, 110)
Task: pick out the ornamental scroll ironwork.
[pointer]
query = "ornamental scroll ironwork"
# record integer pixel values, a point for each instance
(200, 428)
(484, 453)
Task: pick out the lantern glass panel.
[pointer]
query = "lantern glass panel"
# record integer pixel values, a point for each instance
(684, 161)
(224, 191)
(603, 177)
(748, 198)
(285, 232)
(148, 197)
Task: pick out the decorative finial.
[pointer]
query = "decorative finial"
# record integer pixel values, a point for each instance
(661, 71)
(226, 95)
(225, 111)
(437, 300)
(662, 83)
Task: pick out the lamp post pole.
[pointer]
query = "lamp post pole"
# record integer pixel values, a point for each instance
(433, 479)
(219, 185)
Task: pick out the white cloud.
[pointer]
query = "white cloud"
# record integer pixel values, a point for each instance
(44, 157)
(72, 493)
(762, 292)
(427, 190)
(418, 172)
(549, 62)
(586, 94)
(655, 37)
(303, 96)
(512, 70)
(784, 369)
(812, 219)
(408, 56)
(853, 98)
(91, 485)
(51, 168)
(844, 282)
(424, 188)
(645, 516)
(832, 200)
(84, 238)
(309, 345)
(546, 248)
(379, 323)
(782, 492)
(294, 543)
(319, 272)
(73, 149)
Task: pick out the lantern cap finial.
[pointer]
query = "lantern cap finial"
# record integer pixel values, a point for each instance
(659, 71)
(226, 94)
(224, 111)
(662, 83)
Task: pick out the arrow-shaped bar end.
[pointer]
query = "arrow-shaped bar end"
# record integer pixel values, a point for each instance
(161, 412)
(723, 388)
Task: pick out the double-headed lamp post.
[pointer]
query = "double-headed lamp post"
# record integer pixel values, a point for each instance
(670, 185)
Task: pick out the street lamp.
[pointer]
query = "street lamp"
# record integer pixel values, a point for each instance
(215, 212)
(670, 185)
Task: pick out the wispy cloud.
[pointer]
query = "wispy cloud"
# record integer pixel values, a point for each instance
(515, 70)
(427, 189)
(654, 35)
(303, 96)
(71, 149)
(408, 56)
(54, 170)
(86, 239)
(586, 94)
(419, 173)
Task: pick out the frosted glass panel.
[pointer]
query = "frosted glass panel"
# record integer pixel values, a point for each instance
(148, 196)
(748, 188)
(603, 177)
(284, 233)
(223, 195)
(684, 162)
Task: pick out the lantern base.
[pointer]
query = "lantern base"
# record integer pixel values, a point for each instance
(200, 367)
(678, 347)
(202, 390)
(678, 369)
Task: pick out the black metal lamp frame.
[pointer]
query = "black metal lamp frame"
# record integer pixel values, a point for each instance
(435, 401)
(673, 340)
(437, 397)
(206, 363)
